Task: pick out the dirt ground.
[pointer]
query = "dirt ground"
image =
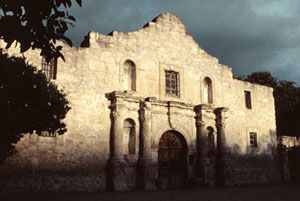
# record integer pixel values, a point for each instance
(290, 192)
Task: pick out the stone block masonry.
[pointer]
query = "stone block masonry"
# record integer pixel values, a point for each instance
(150, 109)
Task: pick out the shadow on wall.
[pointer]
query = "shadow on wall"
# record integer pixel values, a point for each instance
(259, 165)
(294, 163)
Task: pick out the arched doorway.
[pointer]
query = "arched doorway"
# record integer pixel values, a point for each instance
(172, 159)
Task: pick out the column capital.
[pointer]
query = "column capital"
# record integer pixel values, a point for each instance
(199, 122)
(203, 113)
(202, 107)
(221, 109)
(221, 116)
(116, 100)
(114, 95)
(116, 105)
(145, 111)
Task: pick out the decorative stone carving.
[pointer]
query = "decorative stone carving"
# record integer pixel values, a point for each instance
(145, 135)
(146, 170)
(115, 168)
(203, 161)
(116, 151)
(221, 137)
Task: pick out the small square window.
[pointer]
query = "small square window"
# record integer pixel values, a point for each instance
(253, 139)
(172, 83)
(49, 68)
(248, 99)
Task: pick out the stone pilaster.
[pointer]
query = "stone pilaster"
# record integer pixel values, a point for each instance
(145, 130)
(202, 159)
(146, 178)
(116, 148)
(115, 168)
(222, 160)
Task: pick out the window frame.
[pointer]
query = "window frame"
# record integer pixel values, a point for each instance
(49, 68)
(129, 73)
(208, 90)
(172, 84)
(253, 140)
(248, 101)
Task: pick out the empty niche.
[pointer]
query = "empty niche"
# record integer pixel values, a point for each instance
(129, 137)
(207, 91)
(129, 79)
(211, 148)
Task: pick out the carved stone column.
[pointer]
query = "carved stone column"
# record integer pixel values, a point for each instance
(116, 148)
(115, 167)
(145, 130)
(222, 160)
(145, 170)
(203, 161)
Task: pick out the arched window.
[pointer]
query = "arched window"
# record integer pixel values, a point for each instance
(211, 141)
(129, 75)
(207, 91)
(129, 137)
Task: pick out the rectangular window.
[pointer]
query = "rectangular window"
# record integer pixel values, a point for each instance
(248, 99)
(172, 83)
(253, 139)
(49, 68)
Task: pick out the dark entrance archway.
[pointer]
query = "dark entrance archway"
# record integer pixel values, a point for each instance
(172, 159)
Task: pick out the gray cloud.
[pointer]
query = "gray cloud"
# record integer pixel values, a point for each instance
(246, 35)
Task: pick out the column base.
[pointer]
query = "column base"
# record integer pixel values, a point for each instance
(146, 174)
(222, 173)
(115, 175)
(205, 174)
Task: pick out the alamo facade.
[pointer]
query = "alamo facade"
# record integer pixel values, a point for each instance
(150, 109)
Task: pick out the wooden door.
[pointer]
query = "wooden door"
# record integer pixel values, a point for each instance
(172, 159)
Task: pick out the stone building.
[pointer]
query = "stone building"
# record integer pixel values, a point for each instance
(150, 109)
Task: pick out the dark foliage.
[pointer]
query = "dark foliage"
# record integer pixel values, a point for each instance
(287, 101)
(294, 163)
(36, 24)
(262, 78)
(28, 103)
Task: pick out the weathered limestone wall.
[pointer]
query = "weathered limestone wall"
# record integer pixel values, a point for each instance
(78, 157)
(97, 68)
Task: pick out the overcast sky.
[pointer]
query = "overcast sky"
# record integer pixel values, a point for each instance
(247, 35)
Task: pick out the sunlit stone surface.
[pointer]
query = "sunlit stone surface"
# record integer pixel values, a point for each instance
(102, 151)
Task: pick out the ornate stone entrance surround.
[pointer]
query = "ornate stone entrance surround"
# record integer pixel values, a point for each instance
(169, 115)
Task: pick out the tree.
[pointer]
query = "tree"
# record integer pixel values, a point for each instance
(287, 101)
(262, 78)
(28, 103)
(36, 24)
